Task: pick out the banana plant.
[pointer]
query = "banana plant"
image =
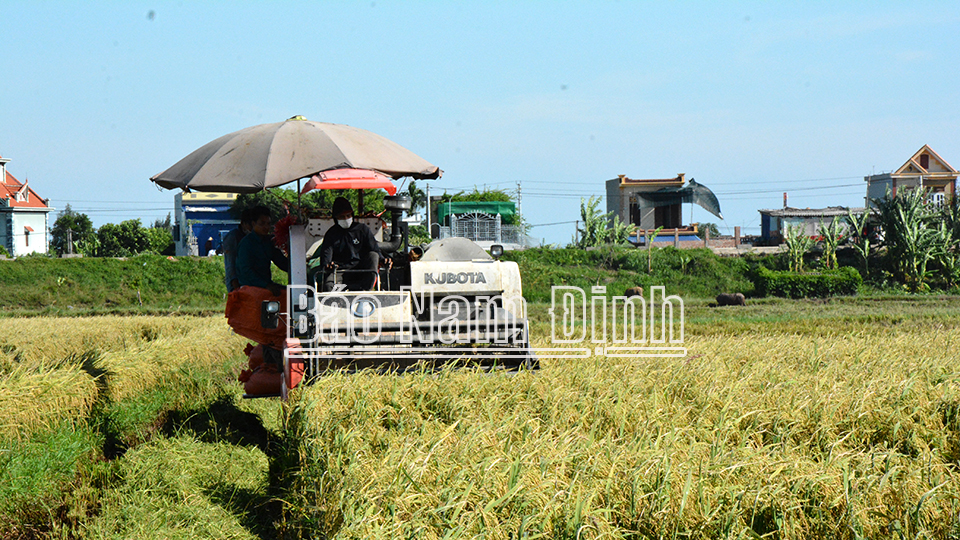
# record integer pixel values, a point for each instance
(650, 238)
(619, 232)
(594, 231)
(861, 241)
(911, 236)
(833, 235)
(798, 244)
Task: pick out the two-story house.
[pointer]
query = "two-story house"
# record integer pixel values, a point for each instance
(925, 169)
(652, 203)
(23, 216)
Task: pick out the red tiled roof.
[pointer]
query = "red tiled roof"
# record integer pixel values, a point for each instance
(9, 189)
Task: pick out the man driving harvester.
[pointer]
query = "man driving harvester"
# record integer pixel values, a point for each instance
(349, 253)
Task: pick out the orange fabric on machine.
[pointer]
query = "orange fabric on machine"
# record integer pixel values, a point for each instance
(243, 315)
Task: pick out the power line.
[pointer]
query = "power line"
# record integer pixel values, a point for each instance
(555, 223)
(811, 188)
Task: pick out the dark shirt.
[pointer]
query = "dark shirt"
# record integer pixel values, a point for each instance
(345, 246)
(230, 244)
(254, 255)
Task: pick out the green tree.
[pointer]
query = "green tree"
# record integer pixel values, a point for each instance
(283, 201)
(418, 235)
(418, 198)
(487, 195)
(69, 220)
(702, 229)
(619, 232)
(163, 223)
(949, 256)
(160, 235)
(122, 240)
(160, 240)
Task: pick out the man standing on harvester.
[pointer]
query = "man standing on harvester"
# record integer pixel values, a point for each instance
(349, 253)
(257, 250)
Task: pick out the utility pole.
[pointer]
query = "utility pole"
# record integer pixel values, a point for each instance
(519, 199)
(69, 241)
(429, 234)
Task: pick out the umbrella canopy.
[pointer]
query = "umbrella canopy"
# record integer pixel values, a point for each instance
(270, 155)
(350, 179)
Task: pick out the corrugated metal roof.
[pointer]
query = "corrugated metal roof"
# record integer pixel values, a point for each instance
(830, 211)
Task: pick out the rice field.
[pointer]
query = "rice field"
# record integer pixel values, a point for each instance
(782, 434)
(56, 369)
(783, 420)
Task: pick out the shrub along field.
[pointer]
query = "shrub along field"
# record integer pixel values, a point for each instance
(152, 284)
(693, 273)
(141, 284)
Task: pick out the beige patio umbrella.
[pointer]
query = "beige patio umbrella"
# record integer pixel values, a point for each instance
(270, 155)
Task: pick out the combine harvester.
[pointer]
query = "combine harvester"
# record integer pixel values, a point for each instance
(446, 303)
(449, 302)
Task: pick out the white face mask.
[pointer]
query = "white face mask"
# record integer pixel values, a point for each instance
(345, 223)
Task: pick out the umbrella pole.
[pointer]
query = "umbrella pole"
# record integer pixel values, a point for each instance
(298, 195)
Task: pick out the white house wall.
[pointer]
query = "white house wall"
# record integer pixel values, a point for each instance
(6, 227)
(17, 239)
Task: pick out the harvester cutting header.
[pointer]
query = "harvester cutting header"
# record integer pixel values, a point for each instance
(413, 307)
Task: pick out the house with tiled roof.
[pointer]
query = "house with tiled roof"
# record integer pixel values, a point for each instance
(925, 169)
(23, 216)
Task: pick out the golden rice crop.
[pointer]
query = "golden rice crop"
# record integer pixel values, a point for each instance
(142, 365)
(754, 434)
(56, 369)
(39, 397)
(34, 339)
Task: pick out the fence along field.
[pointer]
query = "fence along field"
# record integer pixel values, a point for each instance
(774, 424)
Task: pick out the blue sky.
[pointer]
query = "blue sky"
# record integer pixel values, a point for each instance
(750, 99)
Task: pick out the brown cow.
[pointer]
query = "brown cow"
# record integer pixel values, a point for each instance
(633, 291)
(731, 299)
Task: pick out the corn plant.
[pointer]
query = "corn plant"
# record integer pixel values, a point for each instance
(798, 244)
(833, 235)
